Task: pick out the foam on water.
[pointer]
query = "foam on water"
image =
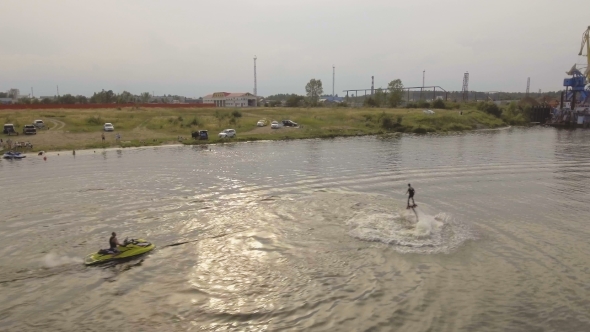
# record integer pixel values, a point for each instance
(408, 231)
(53, 260)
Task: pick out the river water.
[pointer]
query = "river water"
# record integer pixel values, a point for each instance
(305, 235)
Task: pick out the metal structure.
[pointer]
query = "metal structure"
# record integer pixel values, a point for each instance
(333, 79)
(255, 85)
(423, 77)
(586, 41)
(372, 85)
(354, 92)
(528, 86)
(465, 90)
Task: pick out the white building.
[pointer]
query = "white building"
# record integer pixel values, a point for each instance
(226, 99)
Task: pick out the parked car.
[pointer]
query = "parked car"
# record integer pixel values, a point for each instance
(9, 129)
(289, 123)
(201, 135)
(39, 124)
(109, 127)
(227, 133)
(275, 125)
(261, 123)
(429, 112)
(29, 130)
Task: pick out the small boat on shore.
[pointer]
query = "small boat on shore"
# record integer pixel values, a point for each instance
(14, 155)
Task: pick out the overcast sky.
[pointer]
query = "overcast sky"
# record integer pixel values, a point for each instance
(195, 47)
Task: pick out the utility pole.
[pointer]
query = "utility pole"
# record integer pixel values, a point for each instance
(372, 85)
(333, 79)
(32, 95)
(423, 76)
(57, 91)
(255, 85)
(528, 85)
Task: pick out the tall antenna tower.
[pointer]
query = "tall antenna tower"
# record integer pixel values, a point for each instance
(57, 90)
(372, 84)
(333, 79)
(465, 90)
(255, 85)
(528, 85)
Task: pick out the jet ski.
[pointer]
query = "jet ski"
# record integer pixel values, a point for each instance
(14, 155)
(130, 248)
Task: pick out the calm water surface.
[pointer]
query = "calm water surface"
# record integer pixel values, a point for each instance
(305, 235)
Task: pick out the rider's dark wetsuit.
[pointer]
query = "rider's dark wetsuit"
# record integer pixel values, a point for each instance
(411, 192)
(113, 243)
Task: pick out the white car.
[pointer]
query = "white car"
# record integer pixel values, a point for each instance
(39, 124)
(428, 112)
(109, 127)
(275, 125)
(261, 123)
(227, 133)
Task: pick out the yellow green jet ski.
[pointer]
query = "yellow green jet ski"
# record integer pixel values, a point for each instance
(130, 248)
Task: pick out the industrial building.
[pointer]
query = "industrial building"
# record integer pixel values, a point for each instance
(227, 99)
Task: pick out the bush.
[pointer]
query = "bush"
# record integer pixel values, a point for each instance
(411, 105)
(490, 108)
(94, 120)
(423, 104)
(236, 114)
(194, 122)
(370, 102)
(419, 130)
(439, 104)
(294, 101)
(180, 119)
(388, 123)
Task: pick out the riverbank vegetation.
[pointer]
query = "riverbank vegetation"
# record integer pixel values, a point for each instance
(82, 128)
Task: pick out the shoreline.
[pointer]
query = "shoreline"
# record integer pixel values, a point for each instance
(82, 129)
(88, 151)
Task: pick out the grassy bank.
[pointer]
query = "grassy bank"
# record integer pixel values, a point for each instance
(82, 129)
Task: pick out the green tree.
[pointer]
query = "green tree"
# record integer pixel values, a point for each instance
(81, 99)
(314, 90)
(66, 99)
(439, 104)
(145, 97)
(396, 92)
(370, 102)
(24, 100)
(490, 108)
(380, 97)
(294, 101)
(124, 97)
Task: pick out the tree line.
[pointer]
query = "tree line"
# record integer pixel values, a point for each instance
(102, 97)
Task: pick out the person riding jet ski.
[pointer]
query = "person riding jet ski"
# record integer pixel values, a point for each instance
(114, 243)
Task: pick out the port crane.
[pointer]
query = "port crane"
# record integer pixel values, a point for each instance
(586, 42)
(577, 88)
